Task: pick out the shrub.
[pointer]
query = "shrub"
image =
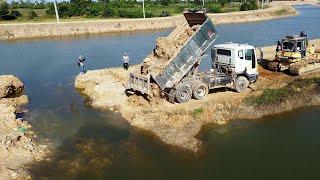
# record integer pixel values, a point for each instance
(15, 13)
(244, 7)
(251, 5)
(149, 14)
(4, 8)
(164, 13)
(215, 8)
(32, 15)
(165, 2)
(108, 12)
(222, 2)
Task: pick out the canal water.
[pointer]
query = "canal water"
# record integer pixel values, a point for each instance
(94, 144)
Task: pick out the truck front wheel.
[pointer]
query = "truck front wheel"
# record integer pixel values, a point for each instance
(200, 91)
(183, 94)
(241, 83)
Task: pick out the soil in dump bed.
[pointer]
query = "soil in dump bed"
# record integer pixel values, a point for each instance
(164, 52)
(167, 48)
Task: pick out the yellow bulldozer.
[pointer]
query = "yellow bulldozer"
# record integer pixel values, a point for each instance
(295, 56)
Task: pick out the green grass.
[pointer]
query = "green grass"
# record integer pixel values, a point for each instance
(269, 96)
(281, 12)
(197, 112)
(272, 96)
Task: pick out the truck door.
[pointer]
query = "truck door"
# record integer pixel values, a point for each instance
(250, 61)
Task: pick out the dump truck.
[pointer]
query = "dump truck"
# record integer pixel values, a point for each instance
(295, 56)
(233, 65)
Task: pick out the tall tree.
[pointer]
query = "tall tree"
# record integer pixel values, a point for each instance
(4, 8)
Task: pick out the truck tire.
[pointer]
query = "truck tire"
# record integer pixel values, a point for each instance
(241, 83)
(200, 91)
(183, 94)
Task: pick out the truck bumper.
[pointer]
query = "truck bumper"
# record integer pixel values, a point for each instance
(253, 78)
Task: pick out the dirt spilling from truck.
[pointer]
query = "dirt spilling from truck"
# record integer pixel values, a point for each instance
(164, 52)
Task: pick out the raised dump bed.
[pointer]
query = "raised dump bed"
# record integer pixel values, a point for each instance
(183, 61)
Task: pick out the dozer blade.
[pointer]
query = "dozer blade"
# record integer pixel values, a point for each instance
(301, 68)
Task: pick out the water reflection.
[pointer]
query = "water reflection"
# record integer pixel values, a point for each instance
(99, 150)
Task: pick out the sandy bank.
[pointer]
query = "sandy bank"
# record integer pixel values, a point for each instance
(17, 146)
(178, 124)
(35, 30)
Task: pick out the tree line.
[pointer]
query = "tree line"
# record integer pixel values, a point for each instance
(117, 8)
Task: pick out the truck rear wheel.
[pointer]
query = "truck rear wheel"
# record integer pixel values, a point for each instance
(200, 91)
(183, 94)
(241, 83)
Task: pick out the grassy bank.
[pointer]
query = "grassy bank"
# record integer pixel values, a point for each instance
(299, 87)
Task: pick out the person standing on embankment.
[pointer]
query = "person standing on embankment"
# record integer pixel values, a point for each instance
(81, 64)
(125, 59)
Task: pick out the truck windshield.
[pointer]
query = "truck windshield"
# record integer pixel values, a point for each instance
(287, 46)
(224, 52)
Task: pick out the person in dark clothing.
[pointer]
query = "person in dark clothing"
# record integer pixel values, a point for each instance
(302, 34)
(278, 46)
(81, 61)
(261, 55)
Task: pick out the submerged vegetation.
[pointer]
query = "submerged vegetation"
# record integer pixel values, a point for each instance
(293, 89)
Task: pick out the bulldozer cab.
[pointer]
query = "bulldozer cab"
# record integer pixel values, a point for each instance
(295, 44)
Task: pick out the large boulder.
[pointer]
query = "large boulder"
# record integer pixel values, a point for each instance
(9, 86)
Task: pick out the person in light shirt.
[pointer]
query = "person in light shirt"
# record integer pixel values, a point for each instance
(125, 59)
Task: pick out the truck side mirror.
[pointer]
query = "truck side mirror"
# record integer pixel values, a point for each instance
(213, 57)
(240, 54)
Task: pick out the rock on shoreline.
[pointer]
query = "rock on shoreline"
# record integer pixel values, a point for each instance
(17, 146)
(9, 85)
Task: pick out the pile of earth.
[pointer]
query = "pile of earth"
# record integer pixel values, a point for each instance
(166, 49)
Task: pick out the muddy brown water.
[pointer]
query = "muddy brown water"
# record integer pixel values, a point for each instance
(101, 145)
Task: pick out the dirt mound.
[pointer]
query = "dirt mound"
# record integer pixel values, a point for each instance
(166, 48)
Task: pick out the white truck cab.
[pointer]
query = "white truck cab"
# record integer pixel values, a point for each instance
(241, 58)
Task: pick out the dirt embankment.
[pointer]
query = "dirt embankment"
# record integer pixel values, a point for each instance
(17, 146)
(51, 29)
(178, 124)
